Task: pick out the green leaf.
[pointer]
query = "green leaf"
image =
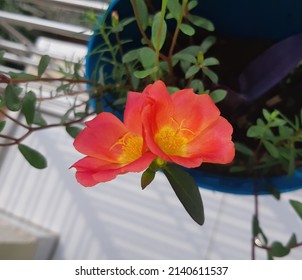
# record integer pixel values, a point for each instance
(185, 57)
(38, 119)
(142, 13)
(130, 56)
(255, 131)
(292, 241)
(127, 21)
(192, 71)
(120, 101)
(187, 29)
(273, 151)
(186, 190)
(197, 86)
(21, 75)
(12, 99)
(2, 52)
(201, 22)
(266, 114)
(29, 107)
(33, 157)
(210, 61)
(2, 125)
(144, 73)
(278, 250)
(43, 64)
(257, 231)
(218, 95)
(147, 177)
(273, 190)
(73, 131)
(192, 4)
(158, 33)
(174, 8)
(210, 74)
(147, 57)
(241, 148)
(207, 43)
(297, 206)
(171, 90)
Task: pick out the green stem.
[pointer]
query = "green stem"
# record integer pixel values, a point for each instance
(108, 43)
(175, 35)
(161, 23)
(143, 33)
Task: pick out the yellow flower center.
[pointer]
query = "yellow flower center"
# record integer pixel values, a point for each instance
(173, 139)
(131, 148)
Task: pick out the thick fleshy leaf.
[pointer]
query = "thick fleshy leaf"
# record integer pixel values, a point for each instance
(145, 73)
(292, 241)
(174, 8)
(201, 22)
(218, 95)
(43, 64)
(158, 33)
(147, 57)
(278, 250)
(147, 177)
(38, 119)
(29, 107)
(142, 12)
(12, 99)
(187, 29)
(33, 157)
(2, 125)
(73, 131)
(130, 56)
(297, 206)
(21, 75)
(186, 190)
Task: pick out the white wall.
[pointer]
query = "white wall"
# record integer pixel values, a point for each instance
(117, 220)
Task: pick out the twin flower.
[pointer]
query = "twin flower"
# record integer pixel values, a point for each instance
(184, 128)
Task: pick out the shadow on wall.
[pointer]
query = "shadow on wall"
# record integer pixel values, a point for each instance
(118, 220)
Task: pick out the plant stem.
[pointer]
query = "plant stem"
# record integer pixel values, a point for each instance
(175, 35)
(143, 33)
(108, 43)
(30, 130)
(38, 79)
(160, 29)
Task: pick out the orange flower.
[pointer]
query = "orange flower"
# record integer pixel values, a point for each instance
(112, 147)
(185, 128)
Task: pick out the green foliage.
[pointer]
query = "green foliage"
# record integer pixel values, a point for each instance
(158, 33)
(279, 137)
(147, 177)
(12, 97)
(218, 95)
(2, 125)
(297, 206)
(29, 107)
(33, 157)
(43, 64)
(278, 250)
(186, 190)
(142, 12)
(73, 131)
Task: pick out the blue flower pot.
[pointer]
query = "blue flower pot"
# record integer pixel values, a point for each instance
(250, 19)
